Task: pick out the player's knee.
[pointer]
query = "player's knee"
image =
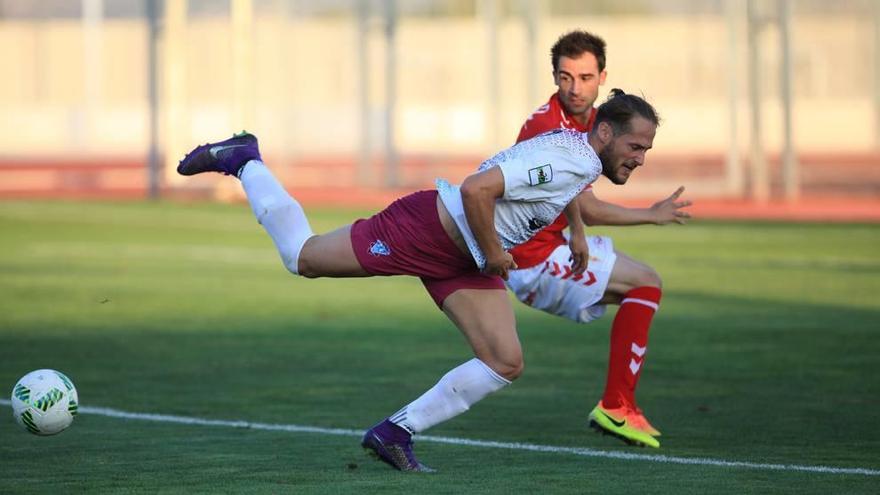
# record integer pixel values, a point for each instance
(510, 368)
(648, 277)
(303, 267)
(302, 261)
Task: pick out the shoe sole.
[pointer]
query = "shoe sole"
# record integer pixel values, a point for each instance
(371, 452)
(625, 439)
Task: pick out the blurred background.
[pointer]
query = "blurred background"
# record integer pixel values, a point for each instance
(761, 100)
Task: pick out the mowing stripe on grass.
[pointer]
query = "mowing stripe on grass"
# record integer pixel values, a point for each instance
(579, 451)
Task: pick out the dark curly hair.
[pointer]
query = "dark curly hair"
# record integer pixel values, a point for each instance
(619, 109)
(576, 43)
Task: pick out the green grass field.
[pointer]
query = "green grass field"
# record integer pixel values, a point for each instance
(765, 351)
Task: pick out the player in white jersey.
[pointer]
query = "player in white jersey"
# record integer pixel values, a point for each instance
(455, 240)
(561, 162)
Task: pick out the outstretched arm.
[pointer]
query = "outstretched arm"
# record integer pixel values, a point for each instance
(478, 195)
(594, 211)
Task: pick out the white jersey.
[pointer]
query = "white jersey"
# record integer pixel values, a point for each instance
(541, 176)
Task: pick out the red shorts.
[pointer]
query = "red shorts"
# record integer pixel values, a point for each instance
(407, 238)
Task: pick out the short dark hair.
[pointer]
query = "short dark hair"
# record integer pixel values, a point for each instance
(576, 43)
(619, 109)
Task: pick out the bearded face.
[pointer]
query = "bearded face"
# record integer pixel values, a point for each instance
(625, 152)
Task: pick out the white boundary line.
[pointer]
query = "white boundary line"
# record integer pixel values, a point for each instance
(578, 451)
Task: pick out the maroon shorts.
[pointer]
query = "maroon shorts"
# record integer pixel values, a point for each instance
(407, 238)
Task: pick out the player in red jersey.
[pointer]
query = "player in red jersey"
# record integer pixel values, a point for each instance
(544, 279)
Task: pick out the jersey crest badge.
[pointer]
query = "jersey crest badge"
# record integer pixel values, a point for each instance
(540, 175)
(379, 248)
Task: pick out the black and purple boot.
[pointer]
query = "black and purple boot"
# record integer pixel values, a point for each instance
(393, 445)
(226, 157)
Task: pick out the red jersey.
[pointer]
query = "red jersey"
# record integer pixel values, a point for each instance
(547, 117)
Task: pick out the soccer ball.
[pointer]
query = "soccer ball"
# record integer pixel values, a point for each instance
(44, 402)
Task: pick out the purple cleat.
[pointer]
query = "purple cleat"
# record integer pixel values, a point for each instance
(226, 157)
(393, 445)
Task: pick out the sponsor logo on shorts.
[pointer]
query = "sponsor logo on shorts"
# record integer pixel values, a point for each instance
(540, 175)
(378, 248)
(535, 224)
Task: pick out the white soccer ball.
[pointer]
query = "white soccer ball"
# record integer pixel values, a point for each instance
(44, 402)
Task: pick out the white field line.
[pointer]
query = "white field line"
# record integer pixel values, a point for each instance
(528, 447)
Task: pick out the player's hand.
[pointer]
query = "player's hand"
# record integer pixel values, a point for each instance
(580, 254)
(500, 264)
(670, 209)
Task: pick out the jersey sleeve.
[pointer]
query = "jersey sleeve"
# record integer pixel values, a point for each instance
(535, 177)
(516, 181)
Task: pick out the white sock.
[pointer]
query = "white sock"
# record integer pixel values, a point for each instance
(454, 394)
(278, 213)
